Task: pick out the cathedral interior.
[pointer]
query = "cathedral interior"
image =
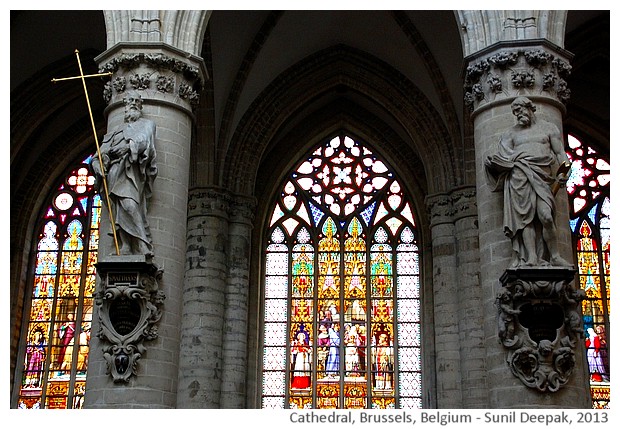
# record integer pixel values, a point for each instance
(272, 86)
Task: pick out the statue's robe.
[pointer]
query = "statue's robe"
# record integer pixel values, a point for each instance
(130, 177)
(526, 180)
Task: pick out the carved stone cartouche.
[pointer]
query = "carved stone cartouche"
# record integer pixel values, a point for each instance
(129, 306)
(539, 325)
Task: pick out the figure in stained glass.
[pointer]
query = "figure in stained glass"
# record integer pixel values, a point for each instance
(383, 364)
(35, 358)
(600, 332)
(84, 339)
(322, 346)
(333, 355)
(595, 358)
(352, 359)
(300, 358)
(66, 332)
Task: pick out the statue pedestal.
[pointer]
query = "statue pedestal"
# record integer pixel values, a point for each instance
(539, 323)
(128, 302)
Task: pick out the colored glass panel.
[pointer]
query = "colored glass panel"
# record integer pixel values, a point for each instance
(332, 335)
(56, 344)
(588, 190)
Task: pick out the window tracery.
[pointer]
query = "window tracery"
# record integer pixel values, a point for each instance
(58, 330)
(590, 214)
(341, 308)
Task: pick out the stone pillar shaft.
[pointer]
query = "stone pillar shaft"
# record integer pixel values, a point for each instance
(471, 333)
(459, 344)
(204, 301)
(495, 76)
(164, 78)
(234, 370)
(213, 361)
(445, 299)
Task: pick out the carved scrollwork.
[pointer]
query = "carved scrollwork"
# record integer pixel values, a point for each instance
(539, 324)
(129, 306)
(543, 368)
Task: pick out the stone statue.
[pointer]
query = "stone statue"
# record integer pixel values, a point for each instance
(522, 168)
(128, 155)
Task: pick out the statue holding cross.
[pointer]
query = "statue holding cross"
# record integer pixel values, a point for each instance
(125, 170)
(128, 156)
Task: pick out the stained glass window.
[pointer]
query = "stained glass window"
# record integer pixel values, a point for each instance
(63, 282)
(588, 189)
(341, 308)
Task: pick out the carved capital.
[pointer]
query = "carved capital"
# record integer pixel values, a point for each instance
(464, 202)
(440, 209)
(539, 324)
(511, 70)
(242, 210)
(447, 208)
(159, 71)
(129, 306)
(209, 202)
(219, 202)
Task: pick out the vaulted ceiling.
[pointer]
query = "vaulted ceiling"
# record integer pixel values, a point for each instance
(250, 50)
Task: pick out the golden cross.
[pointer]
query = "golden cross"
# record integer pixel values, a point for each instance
(92, 121)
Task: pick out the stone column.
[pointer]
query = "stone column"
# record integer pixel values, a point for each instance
(495, 76)
(167, 80)
(471, 331)
(445, 302)
(235, 364)
(204, 300)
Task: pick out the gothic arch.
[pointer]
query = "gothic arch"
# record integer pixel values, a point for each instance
(281, 154)
(286, 149)
(482, 28)
(340, 68)
(183, 29)
(47, 123)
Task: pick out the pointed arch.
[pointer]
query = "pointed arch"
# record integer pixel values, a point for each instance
(183, 29)
(54, 346)
(482, 28)
(328, 71)
(341, 305)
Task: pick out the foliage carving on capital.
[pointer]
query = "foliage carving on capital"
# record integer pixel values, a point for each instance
(504, 59)
(140, 81)
(141, 70)
(517, 72)
(165, 83)
(523, 79)
(537, 58)
(187, 92)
